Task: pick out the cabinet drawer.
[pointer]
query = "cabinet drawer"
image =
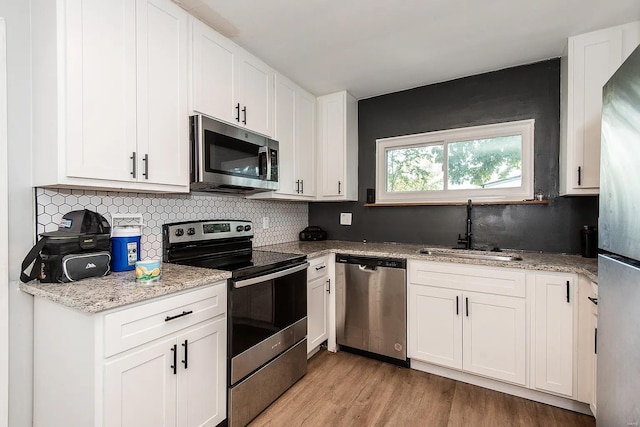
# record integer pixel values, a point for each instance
(318, 267)
(129, 328)
(491, 280)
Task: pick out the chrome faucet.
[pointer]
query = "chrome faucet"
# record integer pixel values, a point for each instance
(466, 240)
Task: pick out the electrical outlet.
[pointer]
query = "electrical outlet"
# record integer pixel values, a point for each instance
(265, 222)
(345, 218)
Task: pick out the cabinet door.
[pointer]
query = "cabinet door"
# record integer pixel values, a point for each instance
(317, 312)
(494, 334)
(255, 94)
(202, 377)
(332, 143)
(285, 133)
(214, 73)
(163, 145)
(305, 142)
(553, 333)
(435, 325)
(140, 388)
(594, 57)
(100, 82)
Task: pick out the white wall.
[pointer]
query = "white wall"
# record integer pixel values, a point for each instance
(4, 243)
(21, 209)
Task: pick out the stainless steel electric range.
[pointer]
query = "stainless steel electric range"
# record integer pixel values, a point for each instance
(267, 309)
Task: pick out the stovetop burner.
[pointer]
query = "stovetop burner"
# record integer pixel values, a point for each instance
(223, 245)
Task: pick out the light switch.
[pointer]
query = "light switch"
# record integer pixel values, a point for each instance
(345, 218)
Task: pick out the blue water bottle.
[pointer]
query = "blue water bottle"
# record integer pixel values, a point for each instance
(126, 231)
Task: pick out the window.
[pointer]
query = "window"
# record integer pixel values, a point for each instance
(490, 162)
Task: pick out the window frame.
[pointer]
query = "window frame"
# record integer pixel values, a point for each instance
(524, 128)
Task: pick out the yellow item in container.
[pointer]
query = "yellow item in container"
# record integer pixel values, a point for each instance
(148, 270)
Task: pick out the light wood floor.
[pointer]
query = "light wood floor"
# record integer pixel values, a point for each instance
(343, 389)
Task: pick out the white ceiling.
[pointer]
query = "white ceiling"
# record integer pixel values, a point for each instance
(372, 47)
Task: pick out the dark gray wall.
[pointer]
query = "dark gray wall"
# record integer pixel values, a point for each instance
(530, 91)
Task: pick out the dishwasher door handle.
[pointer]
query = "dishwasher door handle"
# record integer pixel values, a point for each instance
(367, 269)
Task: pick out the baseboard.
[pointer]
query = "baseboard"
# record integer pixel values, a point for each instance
(526, 393)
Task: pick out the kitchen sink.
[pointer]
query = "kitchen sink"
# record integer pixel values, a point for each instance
(470, 255)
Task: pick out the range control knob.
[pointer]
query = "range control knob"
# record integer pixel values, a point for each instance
(191, 231)
(239, 228)
(179, 232)
(247, 227)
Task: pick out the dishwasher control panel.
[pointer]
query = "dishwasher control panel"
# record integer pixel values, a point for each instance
(372, 261)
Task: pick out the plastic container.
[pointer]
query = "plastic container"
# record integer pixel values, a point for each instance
(148, 270)
(126, 231)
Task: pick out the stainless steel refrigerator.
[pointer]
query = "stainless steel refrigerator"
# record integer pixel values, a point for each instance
(618, 378)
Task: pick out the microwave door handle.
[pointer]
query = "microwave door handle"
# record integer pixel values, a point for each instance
(264, 163)
(268, 154)
(198, 149)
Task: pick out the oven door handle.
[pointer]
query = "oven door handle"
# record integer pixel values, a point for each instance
(277, 274)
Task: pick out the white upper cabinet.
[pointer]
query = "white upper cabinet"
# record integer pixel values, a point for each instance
(295, 132)
(213, 73)
(337, 147)
(589, 61)
(163, 124)
(230, 84)
(110, 95)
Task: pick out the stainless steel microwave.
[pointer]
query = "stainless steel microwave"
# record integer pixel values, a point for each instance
(228, 159)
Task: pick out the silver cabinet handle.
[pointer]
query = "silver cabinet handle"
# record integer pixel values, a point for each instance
(133, 157)
(145, 159)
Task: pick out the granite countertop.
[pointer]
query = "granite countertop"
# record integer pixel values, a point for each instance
(530, 260)
(118, 289)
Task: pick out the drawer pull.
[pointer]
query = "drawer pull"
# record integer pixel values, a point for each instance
(593, 300)
(184, 313)
(321, 267)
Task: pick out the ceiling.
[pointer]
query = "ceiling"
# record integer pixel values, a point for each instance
(376, 47)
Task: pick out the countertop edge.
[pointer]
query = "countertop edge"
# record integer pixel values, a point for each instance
(119, 290)
(413, 255)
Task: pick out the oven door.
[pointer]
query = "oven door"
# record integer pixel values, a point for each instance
(268, 315)
(227, 156)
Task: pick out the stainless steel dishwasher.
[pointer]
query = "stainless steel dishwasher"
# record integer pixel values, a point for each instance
(371, 306)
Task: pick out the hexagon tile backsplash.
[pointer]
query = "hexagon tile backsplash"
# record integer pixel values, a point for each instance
(286, 219)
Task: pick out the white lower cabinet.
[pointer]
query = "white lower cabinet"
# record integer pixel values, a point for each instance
(435, 325)
(479, 333)
(528, 328)
(318, 290)
(141, 391)
(149, 365)
(553, 332)
(494, 337)
(587, 339)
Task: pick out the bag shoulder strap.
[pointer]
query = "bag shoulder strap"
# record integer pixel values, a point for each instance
(31, 256)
